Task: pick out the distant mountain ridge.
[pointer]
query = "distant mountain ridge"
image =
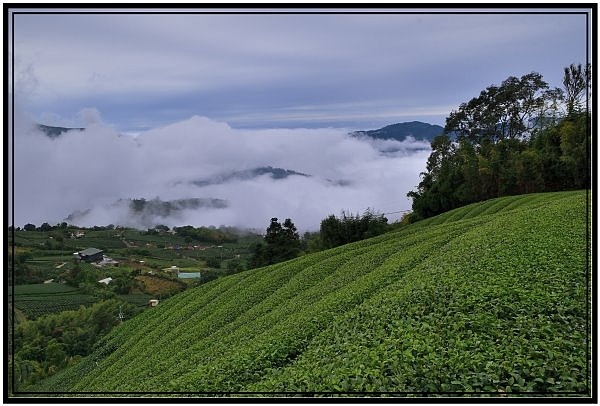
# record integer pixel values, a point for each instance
(400, 131)
(143, 213)
(53, 132)
(248, 174)
(161, 208)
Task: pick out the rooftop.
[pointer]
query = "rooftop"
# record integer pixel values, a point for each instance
(90, 251)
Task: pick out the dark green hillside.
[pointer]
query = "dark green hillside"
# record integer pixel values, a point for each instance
(491, 297)
(274, 173)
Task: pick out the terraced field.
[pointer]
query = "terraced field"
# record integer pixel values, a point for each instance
(489, 298)
(37, 300)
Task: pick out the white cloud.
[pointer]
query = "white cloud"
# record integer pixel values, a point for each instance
(90, 116)
(96, 169)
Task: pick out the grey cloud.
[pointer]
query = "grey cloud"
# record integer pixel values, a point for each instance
(252, 64)
(90, 116)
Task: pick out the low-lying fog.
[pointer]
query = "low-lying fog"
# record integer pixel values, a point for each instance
(210, 173)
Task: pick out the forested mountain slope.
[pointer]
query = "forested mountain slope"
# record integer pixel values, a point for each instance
(491, 297)
(400, 131)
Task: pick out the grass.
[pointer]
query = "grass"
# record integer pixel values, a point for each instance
(491, 298)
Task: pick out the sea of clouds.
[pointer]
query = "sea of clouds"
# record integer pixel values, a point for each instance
(89, 177)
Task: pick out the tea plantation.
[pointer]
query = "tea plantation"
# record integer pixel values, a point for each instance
(491, 298)
(40, 299)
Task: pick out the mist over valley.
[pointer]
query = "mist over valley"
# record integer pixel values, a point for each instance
(203, 172)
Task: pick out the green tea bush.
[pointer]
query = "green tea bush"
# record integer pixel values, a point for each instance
(491, 298)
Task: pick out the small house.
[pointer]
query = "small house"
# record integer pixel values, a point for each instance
(152, 302)
(106, 281)
(89, 255)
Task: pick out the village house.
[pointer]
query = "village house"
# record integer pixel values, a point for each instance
(89, 255)
(78, 234)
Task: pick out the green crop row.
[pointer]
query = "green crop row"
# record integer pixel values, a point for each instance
(41, 289)
(493, 206)
(337, 272)
(36, 300)
(138, 299)
(492, 297)
(34, 307)
(465, 320)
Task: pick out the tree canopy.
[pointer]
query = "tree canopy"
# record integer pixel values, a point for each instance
(339, 231)
(518, 137)
(281, 242)
(576, 81)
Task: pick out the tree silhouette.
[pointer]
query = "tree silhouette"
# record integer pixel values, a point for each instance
(282, 243)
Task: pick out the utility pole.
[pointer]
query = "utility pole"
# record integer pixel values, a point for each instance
(121, 316)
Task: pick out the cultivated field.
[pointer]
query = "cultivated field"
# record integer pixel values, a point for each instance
(36, 300)
(492, 298)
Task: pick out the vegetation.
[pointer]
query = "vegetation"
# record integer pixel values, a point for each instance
(401, 131)
(39, 256)
(511, 139)
(206, 234)
(335, 232)
(282, 242)
(48, 284)
(38, 300)
(491, 298)
(50, 343)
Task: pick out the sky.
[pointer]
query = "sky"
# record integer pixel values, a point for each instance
(169, 101)
(286, 70)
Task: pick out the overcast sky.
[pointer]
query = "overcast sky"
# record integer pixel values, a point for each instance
(360, 71)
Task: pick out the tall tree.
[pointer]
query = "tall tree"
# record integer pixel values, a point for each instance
(576, 81)
(282, 242)
(510, 139)
(435, 192)
(499, 112)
